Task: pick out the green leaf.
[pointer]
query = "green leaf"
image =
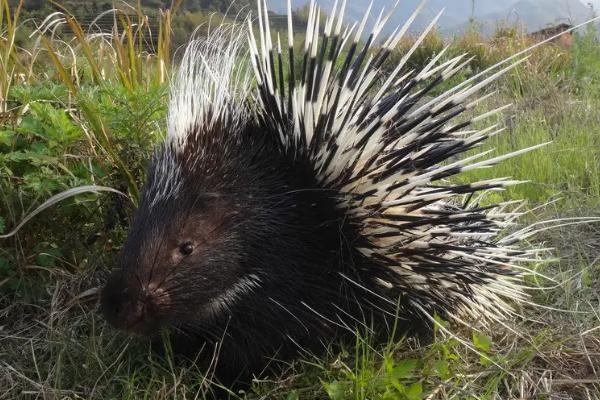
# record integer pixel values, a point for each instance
(48, 258)
(482, 342)
(586, 278)
(39, 183)
(6, 137)
(13, 156)
(37, 158)
(335, 390)
(293, 395)
(56, 123)
(440, 324)
(415, 391)
(404, 369)
(2, 225)
(442, 368)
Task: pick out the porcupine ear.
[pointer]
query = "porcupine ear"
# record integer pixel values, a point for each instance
(388, 150)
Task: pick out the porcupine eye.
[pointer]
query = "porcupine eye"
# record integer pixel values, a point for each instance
(186, 248)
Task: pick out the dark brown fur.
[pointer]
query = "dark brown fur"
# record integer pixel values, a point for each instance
(249, 210)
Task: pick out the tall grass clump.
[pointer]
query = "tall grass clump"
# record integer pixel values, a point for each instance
(88, 113)
(120, 59)
(10, 65)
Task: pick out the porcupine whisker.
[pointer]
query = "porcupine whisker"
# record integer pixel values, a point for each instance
(359, 323)
(380, 308)
(286, 309)
(351, 331)
(297, 310)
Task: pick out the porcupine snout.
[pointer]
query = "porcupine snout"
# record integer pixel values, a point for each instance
(132, 308)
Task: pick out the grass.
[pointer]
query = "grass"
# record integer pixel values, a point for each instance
(80, 109)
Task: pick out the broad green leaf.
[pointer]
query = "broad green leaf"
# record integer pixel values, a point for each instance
(482, 342)
(415, 391)
(404, 369)
(335, 390)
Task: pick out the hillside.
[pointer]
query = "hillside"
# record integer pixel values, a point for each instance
(531, 14)
(455, 12)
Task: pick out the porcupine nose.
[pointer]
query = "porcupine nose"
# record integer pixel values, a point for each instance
(125, 308)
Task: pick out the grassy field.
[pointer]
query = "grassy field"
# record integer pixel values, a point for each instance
(79, 109)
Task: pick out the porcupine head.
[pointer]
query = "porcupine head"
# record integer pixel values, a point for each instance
(292, 203)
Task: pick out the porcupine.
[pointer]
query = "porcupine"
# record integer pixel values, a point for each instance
(293, 203)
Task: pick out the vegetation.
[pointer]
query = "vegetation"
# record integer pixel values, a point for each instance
(79, 109)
